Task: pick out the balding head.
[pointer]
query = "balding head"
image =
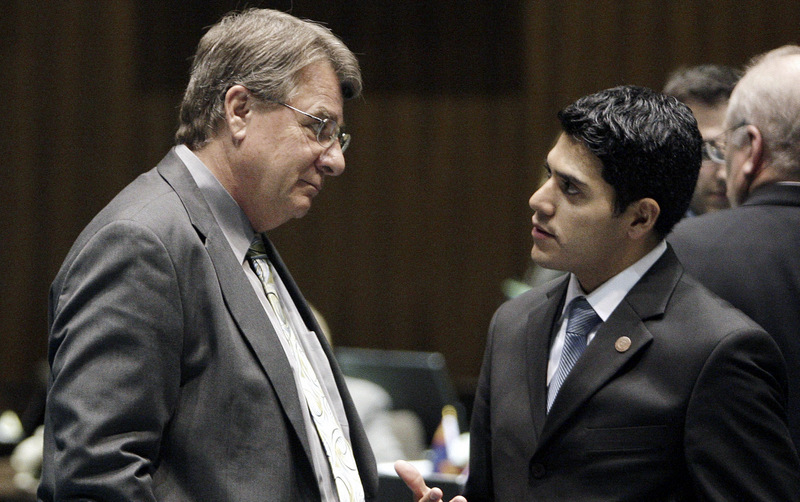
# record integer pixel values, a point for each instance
(768, 98)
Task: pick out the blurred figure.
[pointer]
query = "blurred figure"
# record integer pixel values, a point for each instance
(705, 89)
(749, 254)
(374, 406)
(186, 364)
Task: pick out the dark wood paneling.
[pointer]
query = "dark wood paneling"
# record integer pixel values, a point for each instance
(407, 249)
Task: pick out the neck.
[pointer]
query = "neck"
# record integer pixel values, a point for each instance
(591, 280)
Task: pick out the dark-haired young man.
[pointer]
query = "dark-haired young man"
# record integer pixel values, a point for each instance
(674, 395)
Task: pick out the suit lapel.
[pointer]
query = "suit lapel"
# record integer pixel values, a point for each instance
(241, 301)
(539, 331)
(601, 361)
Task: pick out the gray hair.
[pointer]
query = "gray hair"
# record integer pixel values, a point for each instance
(265, 51)
(768, 97)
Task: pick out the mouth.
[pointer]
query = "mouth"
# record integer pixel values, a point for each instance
(540, 232)
(317, 187)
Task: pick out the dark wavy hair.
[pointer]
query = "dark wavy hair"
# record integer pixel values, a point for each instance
(648, 143)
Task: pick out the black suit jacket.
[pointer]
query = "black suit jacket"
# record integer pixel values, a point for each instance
(750, 256)
(693, 409)
(168, 381)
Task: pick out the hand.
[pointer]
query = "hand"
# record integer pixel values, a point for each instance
(413, 479)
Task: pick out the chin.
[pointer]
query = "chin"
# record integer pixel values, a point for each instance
(301, 211)
(541, 259)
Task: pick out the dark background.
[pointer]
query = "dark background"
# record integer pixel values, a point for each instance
(408, 249)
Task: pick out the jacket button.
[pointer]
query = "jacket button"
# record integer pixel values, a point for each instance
(538, 470)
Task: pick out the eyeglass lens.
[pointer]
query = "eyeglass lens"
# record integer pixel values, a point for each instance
(713, 151)
(329, 131)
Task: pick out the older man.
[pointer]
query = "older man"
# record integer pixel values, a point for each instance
(749, 255)
(186, 364)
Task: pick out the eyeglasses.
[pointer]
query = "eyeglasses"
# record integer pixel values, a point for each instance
(714, 148)
(327, 130)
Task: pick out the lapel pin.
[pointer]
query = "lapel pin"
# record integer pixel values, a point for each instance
(622, 344)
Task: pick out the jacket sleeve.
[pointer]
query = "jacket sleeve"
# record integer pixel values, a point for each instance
(114, 350)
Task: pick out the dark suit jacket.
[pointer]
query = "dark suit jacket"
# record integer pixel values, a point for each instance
(692, 410)
(168, 381)
(750, 256)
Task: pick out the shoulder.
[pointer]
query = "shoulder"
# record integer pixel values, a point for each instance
(700, 228)
(148, 204)
(146, 219)
(704, 317)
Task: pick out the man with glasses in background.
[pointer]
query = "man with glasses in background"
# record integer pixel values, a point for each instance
(705, 89)
(186, 365)
(750, 255)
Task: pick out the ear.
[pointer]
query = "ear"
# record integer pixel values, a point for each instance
(754, 163)
(643, 216)
(238, 105)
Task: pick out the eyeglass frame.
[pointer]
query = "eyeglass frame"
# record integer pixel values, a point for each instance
(337, 133)
(714, 149)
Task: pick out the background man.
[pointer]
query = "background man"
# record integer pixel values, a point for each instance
(677, 396)
(186, 364)
(706, 89)
(749, 255)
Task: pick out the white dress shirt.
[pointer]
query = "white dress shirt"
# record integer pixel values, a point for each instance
(604, 300)
(239, 233)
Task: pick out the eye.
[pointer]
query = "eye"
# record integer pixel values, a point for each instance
(568, 187)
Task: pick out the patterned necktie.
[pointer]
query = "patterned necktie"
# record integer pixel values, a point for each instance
(582, 318)
(337, 447)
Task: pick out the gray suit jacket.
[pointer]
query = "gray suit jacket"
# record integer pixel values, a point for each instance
(168, 381)
(694, 409)
(750, 256)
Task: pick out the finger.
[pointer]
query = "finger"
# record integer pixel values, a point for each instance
(414, 480)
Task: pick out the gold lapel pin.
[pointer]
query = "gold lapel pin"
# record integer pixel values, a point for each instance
(622, 344)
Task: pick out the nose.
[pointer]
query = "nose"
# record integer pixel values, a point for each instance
(540, 201)
(331, 160)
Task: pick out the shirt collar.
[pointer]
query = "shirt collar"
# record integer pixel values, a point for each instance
(605, 299)
(229, 216)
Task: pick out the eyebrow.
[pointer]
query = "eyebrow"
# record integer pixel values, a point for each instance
(565, 177)
(324, 113)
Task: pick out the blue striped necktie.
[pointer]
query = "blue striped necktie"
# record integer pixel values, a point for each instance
(582, 319)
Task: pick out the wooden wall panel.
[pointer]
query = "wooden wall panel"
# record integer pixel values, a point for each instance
(418, 233)
(66, 150)
(407, 249)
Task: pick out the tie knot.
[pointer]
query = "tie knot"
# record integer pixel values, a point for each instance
(257, 248)
(582, 317)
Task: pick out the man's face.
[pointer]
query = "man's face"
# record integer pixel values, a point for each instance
(709, 193)
(574, 225)
(280, 166)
